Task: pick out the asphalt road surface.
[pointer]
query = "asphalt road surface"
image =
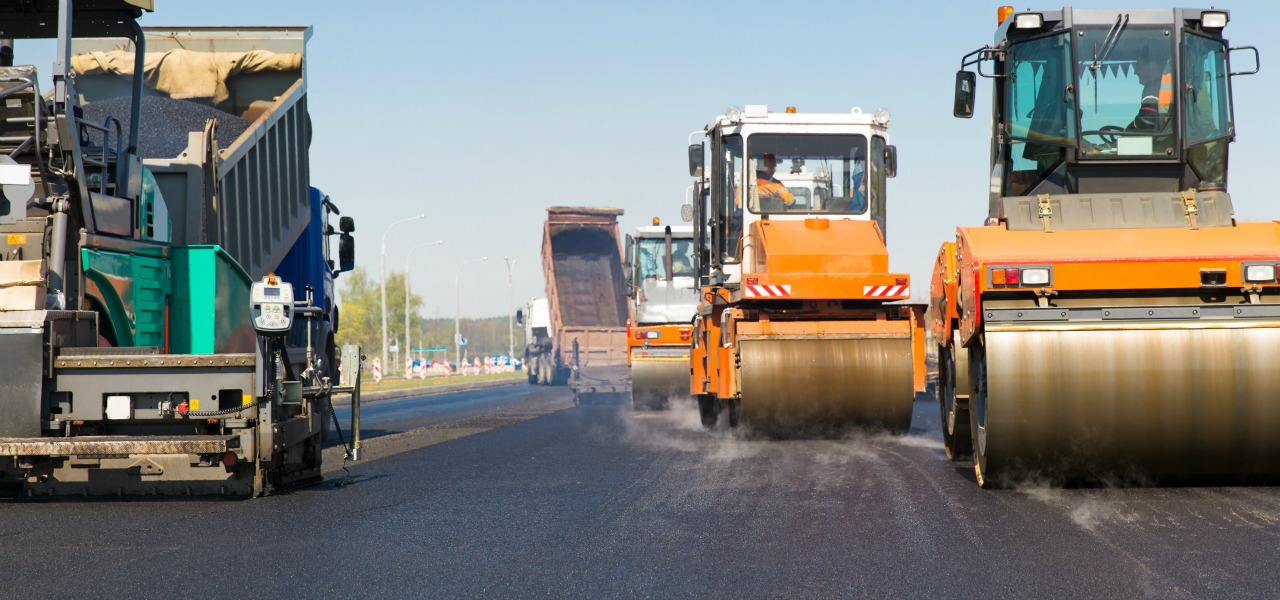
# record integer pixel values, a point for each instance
(540, 498)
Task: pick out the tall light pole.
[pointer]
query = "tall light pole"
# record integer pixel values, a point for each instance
(384, 285)
(406, 292)
(457, 312)
(511, 336)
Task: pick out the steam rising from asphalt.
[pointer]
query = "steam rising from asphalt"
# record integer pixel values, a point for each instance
(1084, 507)
(680, 429)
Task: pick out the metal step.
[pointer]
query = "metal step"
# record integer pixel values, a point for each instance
(115, 445)
(109, 351)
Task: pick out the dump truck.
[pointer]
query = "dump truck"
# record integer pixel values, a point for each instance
(660, 285)
(587, 305)
(1111, 319)
(140, 237)
(801, 328)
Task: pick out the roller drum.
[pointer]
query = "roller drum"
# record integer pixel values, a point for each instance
(826, 385)
(655, 382)
(1133, 402)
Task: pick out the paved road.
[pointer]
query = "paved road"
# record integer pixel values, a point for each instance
(596, 501)
(397, 415)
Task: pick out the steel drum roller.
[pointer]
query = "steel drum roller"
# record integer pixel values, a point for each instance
(828, 383)
(1133, 400)
(655, 381)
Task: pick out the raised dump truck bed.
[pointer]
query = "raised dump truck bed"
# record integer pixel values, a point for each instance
(582, 263)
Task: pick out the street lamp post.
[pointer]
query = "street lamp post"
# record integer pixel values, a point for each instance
(457, 312)
(511, 336)
(385, 365)
(406, 293)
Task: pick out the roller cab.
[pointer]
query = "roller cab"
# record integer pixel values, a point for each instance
(801, 327)
(1113, 314)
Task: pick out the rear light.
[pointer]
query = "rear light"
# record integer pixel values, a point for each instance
(229, 460)
(1039, 275)
(653, 335)
(642, 334)
(1259, 273)
(1035, 277)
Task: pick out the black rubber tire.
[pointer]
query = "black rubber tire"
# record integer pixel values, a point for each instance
(957, 440)
(985, 470)
(735, 411)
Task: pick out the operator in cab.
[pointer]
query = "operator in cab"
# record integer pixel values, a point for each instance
(767, 186)
(1157, 93)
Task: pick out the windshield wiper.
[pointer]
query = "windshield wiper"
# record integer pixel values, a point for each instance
(1108, 44)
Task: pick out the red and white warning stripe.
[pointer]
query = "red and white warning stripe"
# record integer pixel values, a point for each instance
(883, 291)
(766, 291)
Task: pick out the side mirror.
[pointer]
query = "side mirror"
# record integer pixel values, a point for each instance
(695, 160)
(346, 252)
(890, 161)
(347, 224)
(519, 316)
(628, 266)
(966, 81)
(1257, 61)
(686, 213)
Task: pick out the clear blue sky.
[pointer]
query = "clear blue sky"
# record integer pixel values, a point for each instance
(482, 113)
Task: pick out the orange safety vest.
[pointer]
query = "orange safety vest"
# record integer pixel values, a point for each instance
(774, 189)
(1157, 113)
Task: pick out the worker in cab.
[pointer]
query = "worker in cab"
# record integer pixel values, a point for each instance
(770, 190)
(1157, 93)
(681, 259)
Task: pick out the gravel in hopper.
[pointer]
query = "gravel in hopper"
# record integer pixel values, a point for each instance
(165, 123)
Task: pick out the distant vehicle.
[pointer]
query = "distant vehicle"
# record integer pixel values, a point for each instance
(586, 300)
(663, 294)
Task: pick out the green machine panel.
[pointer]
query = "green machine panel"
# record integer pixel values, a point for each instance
(210, 307)
(130, 291)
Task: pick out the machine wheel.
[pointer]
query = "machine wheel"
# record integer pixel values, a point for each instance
(957, 439)
(709, 410)
(984, 469)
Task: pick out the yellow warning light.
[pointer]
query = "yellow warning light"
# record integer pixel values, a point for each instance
(791, 110)
(1003, 13)
(656, 222)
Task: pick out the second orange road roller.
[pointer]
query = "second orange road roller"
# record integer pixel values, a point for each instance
(801, 327)
(1111, 320)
